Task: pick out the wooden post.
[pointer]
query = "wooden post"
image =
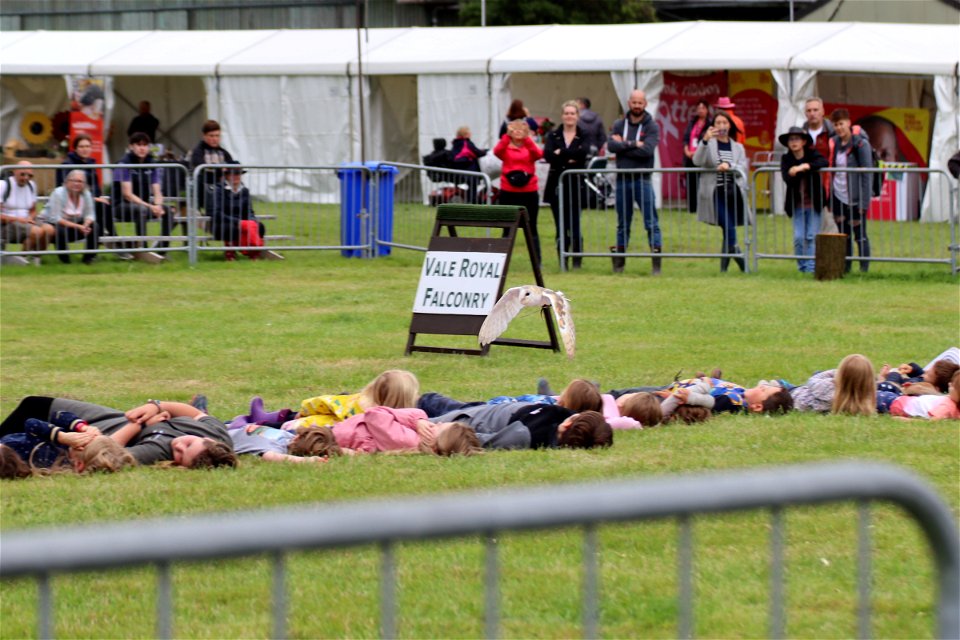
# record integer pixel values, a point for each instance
(831, 256)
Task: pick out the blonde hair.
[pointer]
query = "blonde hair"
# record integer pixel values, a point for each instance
(644, 407)
(570, 103)
(104, 454)
(314, 441)
(855, 390)
(396, 388)
(463, 132)
(581, 395)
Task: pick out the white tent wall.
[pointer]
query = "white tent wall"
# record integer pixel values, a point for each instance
(285, 120)
(936, 206)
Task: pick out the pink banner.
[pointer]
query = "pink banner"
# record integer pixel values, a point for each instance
(677, 105)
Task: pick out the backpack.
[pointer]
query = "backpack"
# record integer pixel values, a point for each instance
(9, 189)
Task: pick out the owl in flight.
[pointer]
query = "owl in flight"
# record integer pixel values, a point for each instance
(515, 299)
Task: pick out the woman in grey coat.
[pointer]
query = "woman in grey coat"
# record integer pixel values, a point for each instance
(722, 196)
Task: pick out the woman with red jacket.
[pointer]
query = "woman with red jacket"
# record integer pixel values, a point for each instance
(518, 183)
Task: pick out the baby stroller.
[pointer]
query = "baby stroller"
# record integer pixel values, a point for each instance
(600, 193)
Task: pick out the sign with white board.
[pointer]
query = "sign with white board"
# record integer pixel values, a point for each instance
(462, 277)
(459, 283)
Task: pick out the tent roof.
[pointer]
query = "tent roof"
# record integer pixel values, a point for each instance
(62, 52)
(177, 53)
(886, 48)
(306, 52)
(737, 45)
(851, 47)
(445, 49)
(585, 47)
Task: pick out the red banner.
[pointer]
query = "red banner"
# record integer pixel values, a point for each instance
(678, 102)
(86, 112)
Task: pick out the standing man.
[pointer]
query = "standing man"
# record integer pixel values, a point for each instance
(18, 212)
(144, 122)
(819, 128)
(594, 135)
(634, 140)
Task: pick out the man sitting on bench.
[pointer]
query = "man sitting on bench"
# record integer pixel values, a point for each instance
(138, 186)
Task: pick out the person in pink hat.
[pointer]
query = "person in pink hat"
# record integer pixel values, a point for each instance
(724, 103)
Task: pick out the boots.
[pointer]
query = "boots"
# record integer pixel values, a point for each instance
(739, 261)
(619, 262)
(656, 261)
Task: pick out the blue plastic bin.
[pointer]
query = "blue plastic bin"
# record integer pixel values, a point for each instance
(354, 198)
(386, 176)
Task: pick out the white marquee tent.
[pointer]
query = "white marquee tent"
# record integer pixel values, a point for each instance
(291, 96)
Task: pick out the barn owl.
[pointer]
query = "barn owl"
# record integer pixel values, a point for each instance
(515, 298)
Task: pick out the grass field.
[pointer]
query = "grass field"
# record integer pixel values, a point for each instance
(119, 333)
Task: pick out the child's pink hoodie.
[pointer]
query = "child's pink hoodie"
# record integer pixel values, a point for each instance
(380, 429)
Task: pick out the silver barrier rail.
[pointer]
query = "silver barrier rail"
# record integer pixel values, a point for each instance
(40, 553)
(416, 190)
(892, 230)
(297, 208)
(121, 226)
(592, 199)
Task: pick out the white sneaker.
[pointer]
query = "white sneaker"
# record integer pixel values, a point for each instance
(36, 261)
(15, 260)
(124, 256)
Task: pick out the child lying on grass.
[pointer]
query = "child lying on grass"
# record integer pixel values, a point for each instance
(65, 443)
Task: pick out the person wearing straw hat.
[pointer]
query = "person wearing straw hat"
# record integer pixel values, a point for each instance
(805, 194)
(724, 103)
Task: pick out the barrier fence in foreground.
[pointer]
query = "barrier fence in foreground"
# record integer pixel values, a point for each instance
(41, 553)
(368, 210)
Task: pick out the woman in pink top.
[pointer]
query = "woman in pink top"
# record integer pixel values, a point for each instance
(518, 183)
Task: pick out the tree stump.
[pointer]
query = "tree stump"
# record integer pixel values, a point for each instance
(831, 255)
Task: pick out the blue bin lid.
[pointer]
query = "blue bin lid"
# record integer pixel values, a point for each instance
(375, 165)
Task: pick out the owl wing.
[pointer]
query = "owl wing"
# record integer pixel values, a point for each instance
(564, 316)
(505, 310)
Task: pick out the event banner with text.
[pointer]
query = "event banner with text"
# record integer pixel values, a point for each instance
(459, 283)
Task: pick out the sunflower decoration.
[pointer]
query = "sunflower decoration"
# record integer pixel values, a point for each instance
(36, 128)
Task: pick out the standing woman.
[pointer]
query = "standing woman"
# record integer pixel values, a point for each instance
(851, 192)
(563, 149)
(69, 216)
(518, 183)
(692, 137)
(722, 196)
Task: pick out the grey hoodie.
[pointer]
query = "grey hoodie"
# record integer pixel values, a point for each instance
(594, 134)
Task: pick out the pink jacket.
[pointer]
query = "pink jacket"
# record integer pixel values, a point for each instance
(380, 429)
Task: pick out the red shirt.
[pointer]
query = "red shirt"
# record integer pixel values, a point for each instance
(518, 159)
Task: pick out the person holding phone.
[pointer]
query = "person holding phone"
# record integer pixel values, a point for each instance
(722, 196)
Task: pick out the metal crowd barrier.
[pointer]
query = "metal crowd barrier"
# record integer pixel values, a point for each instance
(418, 190)
(42, 554)
(894, 227)
(115, 219)
(301, 208)
(594, 194)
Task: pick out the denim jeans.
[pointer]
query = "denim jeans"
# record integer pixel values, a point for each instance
(727, 217)
(806, 224)
(639, 189)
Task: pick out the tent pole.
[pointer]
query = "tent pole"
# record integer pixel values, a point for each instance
(363, 156)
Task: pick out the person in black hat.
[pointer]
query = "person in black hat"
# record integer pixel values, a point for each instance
(800, 167)
(232, 219)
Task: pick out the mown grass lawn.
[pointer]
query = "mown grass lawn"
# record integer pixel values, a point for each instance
(119, 333)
